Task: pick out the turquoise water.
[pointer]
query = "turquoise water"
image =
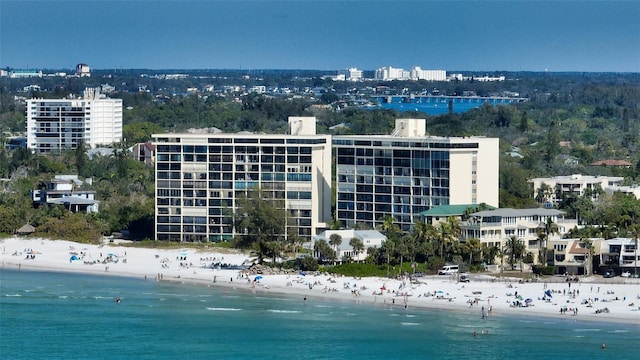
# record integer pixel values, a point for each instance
(70, 316)
(431, 109)
(438, 105)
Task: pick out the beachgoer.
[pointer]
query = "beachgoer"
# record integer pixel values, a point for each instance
(603, 346)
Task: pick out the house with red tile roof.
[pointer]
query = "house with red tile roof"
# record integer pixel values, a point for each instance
(612, 162)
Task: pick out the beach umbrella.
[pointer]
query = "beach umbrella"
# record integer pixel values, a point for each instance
(259, 277)
(302, 274)
(73, 257)
(548, 293)
(528, 301)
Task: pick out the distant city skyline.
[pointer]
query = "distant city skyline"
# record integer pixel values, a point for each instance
(516, 35)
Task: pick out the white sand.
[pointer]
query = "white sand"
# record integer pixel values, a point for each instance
(620, 296)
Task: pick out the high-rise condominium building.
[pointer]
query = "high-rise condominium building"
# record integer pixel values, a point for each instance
(407, 172)
(200, 177)
(56, 125)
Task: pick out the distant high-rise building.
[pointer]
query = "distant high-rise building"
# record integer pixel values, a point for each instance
(429, 75)
(408, 172)
(351, 74)
(416, 73)
(56, 125)
(391, 73)
(83, 70)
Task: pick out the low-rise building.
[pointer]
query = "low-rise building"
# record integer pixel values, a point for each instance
(495, 227)
(144, 152)
(438, 214)
(66, 190)
(561, 186)
(572, 256)
(619, 256)
(369, 238)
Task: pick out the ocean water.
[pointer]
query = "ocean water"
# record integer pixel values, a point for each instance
(71, 316)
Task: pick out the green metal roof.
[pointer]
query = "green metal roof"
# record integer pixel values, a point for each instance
(451, 210)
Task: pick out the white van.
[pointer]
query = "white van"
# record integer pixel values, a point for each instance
(448, 270)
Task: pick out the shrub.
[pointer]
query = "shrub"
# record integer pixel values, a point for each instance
(543, 270)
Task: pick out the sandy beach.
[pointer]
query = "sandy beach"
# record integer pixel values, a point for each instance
(590, 298)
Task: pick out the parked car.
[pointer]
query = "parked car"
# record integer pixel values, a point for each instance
(464, 278)
(609, 274)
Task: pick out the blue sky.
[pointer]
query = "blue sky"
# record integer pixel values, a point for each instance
(513, 35)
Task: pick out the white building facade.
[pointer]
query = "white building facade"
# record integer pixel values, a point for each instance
(199, 178)
(416, 73)
(620, 256)
(56, 125)
(351, 74)
(495, 227)
(429, 75)
(391, 73)
(407, 172)
(576, 184)
(369, 238)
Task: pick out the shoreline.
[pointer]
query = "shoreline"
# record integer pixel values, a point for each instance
(484, 298)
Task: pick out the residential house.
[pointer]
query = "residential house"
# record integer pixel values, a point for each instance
(369, 238)
(66, 190)
(572, 256)
(619, 255)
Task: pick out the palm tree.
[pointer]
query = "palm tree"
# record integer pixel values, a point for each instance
(402, 249)
(472, 246)
(544, 233)
(357, 246)
(449, 231)
(635, 233)
(515, 248)
(324, 251)
(489, 254)
(419, 233)
(389, 227)
(335, 240)
(588, 244)
(544, 193)
(259, 252)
